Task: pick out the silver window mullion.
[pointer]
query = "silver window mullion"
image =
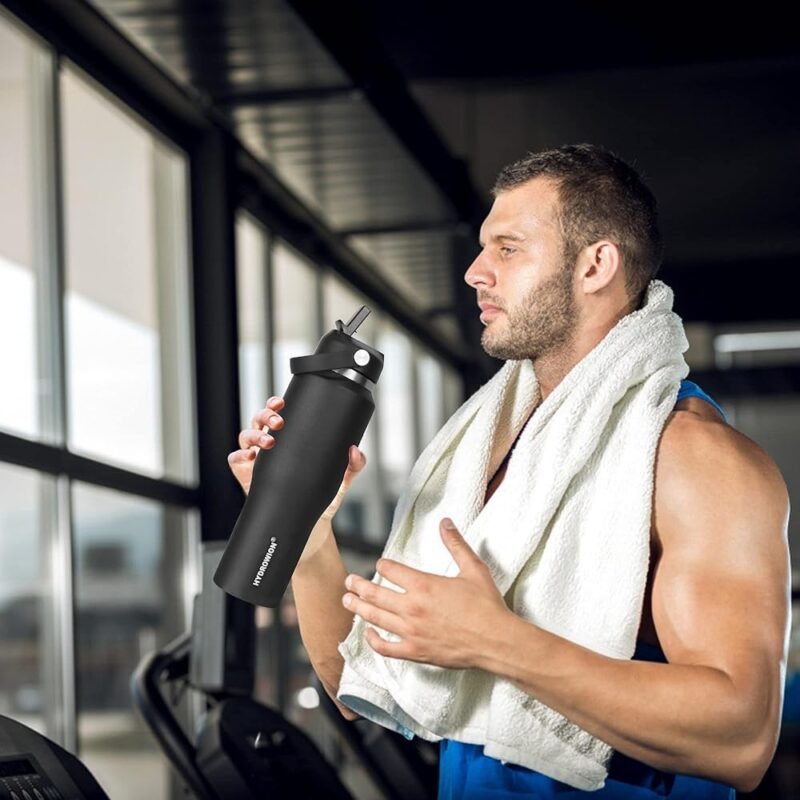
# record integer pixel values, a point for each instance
(58, 619)
(58, 642)
(48, 244)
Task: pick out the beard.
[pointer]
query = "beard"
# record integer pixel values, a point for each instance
(543, 322)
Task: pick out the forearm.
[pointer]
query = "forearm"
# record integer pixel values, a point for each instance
(679, 718)
(318, 585)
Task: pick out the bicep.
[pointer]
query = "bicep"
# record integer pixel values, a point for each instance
(721, 586)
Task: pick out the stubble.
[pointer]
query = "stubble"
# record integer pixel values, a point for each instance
(541, 324)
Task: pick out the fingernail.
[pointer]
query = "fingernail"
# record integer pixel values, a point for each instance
(347, 599)
(273, 420)
(265, 439)
(348, 581)
(448, 523)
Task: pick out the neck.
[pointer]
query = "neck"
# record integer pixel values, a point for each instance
(553, 366)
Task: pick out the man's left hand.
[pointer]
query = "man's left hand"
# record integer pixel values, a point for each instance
(443, 621)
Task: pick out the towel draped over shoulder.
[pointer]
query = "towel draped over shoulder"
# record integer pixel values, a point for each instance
(565, 536)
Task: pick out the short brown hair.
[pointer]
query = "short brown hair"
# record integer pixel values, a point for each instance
(600, 197)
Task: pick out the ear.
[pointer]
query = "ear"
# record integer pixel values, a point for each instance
(598, 265)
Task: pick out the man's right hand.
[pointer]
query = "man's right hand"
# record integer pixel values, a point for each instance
(257, 437)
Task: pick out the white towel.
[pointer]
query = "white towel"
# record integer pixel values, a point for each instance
(566, 537)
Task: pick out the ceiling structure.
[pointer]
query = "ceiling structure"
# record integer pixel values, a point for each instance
(707, 108)
(296, 108)
(390, 120)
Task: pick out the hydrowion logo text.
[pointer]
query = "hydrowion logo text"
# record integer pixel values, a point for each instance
(273, 543)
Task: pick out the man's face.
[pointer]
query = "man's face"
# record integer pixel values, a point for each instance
(521, 271)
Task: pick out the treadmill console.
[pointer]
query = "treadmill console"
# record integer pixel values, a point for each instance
(21, 778)
(34, 768)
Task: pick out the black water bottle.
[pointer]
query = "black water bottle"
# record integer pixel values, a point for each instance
(328, 405)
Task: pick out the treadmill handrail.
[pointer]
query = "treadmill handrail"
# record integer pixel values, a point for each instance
(159, 716)
(376, 769)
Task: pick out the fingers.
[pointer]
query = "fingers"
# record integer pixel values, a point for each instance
(356, 462)
(401, 574)
(241, 457)
(267, 416)
(374, 594)
(356, 459)
(255, 436)
(373, 614)
(462, 553)
(272, 405)
(255, 439)
(388, 649)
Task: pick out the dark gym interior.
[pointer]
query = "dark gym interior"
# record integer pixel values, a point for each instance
(191, 194)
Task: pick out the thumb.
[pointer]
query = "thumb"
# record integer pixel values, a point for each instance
(462, 553)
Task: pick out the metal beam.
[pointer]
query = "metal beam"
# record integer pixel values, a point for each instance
(355, 48)
(412, 226)
(203, 71)
(301, 94)
(56, 460)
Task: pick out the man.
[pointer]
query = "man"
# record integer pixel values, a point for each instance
(567, 251)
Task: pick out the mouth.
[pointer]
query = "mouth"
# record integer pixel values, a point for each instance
(489, 312)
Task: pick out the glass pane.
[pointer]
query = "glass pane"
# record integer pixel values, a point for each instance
(295, 312)
(24, 594)
(131, 597)
(341, 301)
(394, 401)
(430, 392)
(453, 391)
(25, 236)
(127, 297)
(252, 303)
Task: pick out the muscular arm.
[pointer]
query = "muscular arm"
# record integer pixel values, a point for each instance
(720, 605)
(317, 586)
(720, 598)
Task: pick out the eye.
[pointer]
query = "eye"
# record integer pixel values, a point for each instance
(507, 250)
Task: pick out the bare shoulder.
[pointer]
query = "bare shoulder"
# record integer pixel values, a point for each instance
(707, 471)
(695, 441)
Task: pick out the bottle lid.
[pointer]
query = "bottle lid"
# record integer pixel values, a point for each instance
(366, 360)
(340, 352)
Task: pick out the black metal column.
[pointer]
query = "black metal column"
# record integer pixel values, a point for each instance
(216, 345)
(213, 203)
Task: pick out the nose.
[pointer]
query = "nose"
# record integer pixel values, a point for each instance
(479, 272)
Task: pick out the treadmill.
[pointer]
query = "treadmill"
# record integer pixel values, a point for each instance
(241, 749)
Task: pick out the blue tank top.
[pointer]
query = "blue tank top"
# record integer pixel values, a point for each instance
(465, 773)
